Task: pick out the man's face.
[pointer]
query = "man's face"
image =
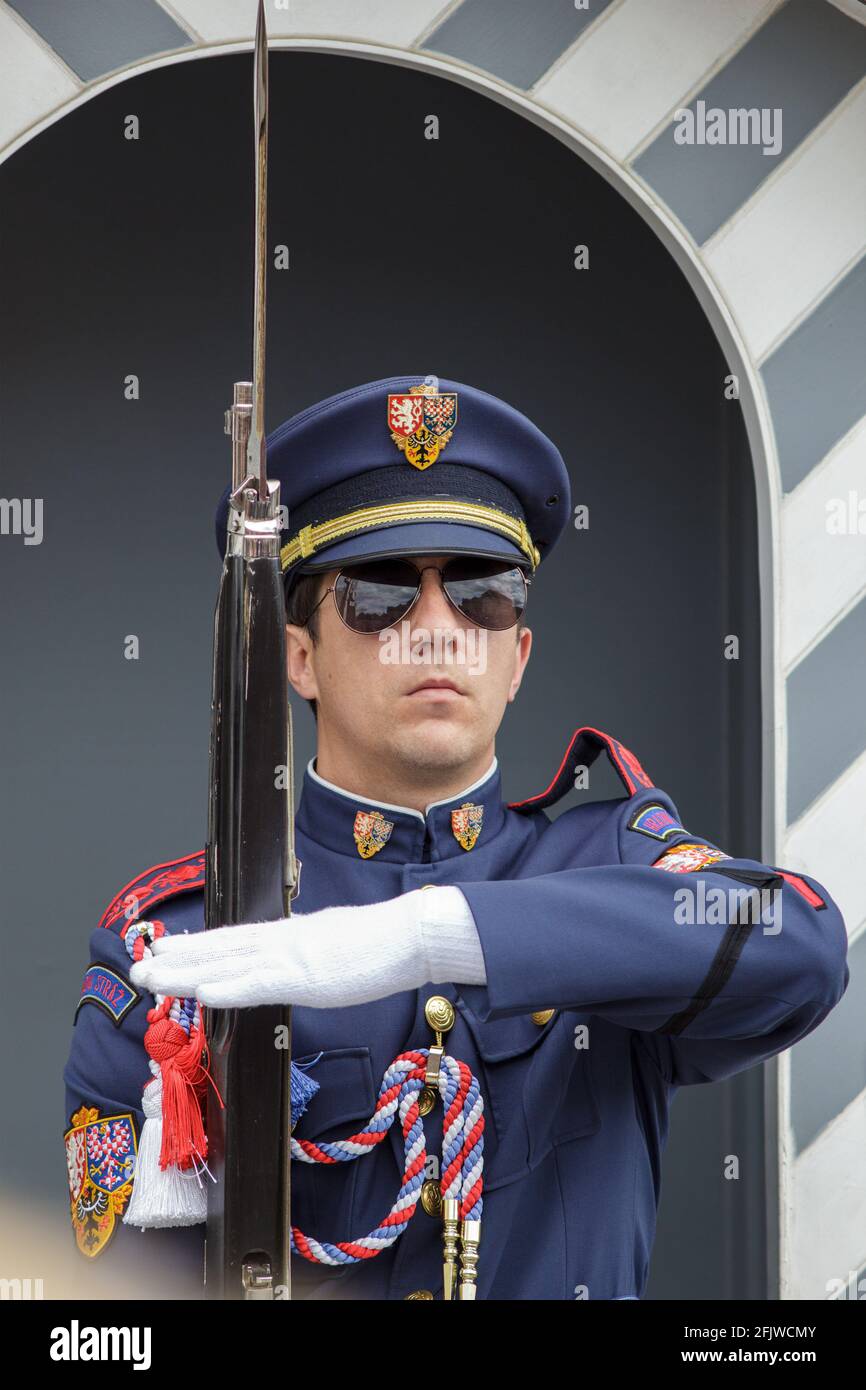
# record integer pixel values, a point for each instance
(429, 692)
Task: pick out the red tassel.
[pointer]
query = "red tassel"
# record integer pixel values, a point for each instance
(183, 1085)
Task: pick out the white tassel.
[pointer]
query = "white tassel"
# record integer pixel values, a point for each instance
(162, 1196)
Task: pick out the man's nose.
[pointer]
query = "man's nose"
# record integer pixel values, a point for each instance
(432, 609)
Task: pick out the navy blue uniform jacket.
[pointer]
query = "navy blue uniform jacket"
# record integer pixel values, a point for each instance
(572, 917)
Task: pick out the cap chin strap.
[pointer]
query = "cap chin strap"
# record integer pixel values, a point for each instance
(312, 538)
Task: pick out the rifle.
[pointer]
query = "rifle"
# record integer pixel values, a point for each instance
(251, 872)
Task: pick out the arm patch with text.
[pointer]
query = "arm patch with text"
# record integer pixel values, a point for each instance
(109, 991)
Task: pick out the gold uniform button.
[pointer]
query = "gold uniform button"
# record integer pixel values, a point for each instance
(439, 1013)
(419, 1293)
(542, 1016)
(426, 1100)
(431, 1197)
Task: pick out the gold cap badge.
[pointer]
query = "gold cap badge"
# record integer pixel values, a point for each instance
(422, 422)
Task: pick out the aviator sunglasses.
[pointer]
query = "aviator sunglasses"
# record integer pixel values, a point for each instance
(373, 596)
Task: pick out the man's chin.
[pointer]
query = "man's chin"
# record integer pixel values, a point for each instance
(434, 741)
(444, 722)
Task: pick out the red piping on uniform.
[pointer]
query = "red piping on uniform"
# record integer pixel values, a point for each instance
(169, 864)
(513, 804)
(803, 889)
(606, 740)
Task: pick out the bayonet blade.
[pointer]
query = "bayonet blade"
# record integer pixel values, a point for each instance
(257, 445)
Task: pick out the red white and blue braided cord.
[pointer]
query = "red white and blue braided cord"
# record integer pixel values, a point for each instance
(462, 1153)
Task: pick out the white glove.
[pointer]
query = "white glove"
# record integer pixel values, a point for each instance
(324, 960)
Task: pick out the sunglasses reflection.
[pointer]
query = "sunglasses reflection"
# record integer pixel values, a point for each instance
(375, 596)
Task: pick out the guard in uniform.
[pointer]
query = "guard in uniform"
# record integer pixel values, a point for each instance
(581, 968)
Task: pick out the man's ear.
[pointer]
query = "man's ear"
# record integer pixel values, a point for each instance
(300, 665)
(523, 647)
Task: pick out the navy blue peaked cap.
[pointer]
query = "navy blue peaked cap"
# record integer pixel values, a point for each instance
(413, 465)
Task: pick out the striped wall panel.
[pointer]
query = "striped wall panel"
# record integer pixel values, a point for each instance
(621, 81)
(828, 843)
(514, 41)
(95, 36)
(398, 22)
(823, 560)
(33, 79)
(783, 237)
(801, 62)
(788, 247)
(826, 1208)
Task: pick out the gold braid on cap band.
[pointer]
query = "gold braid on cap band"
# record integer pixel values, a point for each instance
(311, 538)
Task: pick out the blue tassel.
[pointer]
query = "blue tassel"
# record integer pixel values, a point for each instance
(303, 1089)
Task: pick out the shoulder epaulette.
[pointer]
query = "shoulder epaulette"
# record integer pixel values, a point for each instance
(157, 883)
(583, 749)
